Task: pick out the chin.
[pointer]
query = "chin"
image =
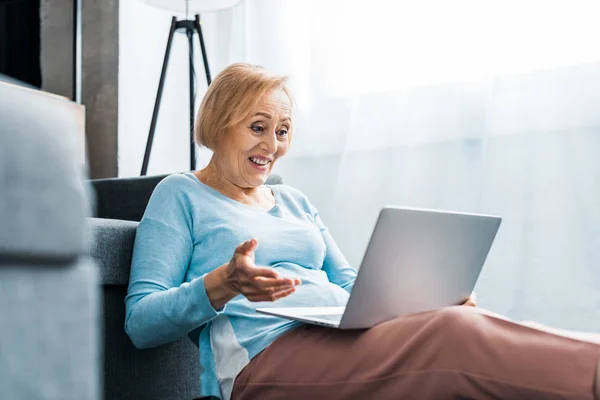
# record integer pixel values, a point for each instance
(261, 179)
(256, 180)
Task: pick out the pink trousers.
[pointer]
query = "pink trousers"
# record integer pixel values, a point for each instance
(452, 353)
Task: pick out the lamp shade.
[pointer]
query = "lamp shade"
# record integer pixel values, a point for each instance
(193, 6)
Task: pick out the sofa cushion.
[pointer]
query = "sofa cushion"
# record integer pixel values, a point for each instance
(42, 194)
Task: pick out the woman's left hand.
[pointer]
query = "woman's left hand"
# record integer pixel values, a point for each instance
(471, 301)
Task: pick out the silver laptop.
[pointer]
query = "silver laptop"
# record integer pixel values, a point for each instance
(416, 260)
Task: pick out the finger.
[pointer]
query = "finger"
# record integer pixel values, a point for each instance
(270, 296)
(470, 302)
(282, 280)
(283, 293)
(252, 288)
(247, 247)
(265, 282)
(473, 299)
(272, 284)
(264, 272)
(245, 262)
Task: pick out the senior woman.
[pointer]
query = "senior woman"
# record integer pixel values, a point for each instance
(217, 243)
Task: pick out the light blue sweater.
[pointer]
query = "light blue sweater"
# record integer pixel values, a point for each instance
(188, 230)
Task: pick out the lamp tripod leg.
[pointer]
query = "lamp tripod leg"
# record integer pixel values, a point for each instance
(203, 49)
(161, 84)
(190, 35)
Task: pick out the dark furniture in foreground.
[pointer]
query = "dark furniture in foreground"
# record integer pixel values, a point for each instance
(49, 296)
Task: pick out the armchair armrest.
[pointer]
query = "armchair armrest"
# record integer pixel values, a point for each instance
(112, 247)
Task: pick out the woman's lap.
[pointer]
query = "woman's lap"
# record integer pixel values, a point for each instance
(453, 352)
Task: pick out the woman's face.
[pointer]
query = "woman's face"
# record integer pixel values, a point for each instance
(247, 152)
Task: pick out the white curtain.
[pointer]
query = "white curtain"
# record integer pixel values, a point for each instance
(470, 105)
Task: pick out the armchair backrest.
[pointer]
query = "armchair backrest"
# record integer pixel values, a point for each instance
(127, 198)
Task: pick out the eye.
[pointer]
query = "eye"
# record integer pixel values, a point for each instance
(257, 128)
(282, 132)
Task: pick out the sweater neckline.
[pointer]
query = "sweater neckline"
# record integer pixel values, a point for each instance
(228, 199)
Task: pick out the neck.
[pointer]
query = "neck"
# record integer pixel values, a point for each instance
(212, 176)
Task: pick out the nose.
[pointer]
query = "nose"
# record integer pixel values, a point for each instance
(270, 142)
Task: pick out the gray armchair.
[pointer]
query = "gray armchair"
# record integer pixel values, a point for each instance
(49, 308)
(168, 372)
(171, 371)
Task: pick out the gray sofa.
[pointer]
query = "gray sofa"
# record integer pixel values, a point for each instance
(170, 371)
(49, 297)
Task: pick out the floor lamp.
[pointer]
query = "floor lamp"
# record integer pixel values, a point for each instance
(190, 27)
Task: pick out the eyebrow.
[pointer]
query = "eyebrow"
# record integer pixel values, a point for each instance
(264, 114)
(269, 116)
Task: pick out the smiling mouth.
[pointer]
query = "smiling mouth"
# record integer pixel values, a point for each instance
(259, 161)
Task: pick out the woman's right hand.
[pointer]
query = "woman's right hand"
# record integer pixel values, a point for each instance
(242, 276)
(256, 283)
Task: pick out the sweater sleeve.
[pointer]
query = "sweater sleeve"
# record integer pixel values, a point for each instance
(160, 306)
(335, 265)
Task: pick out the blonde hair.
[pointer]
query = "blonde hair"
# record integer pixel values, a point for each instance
(230, 99)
